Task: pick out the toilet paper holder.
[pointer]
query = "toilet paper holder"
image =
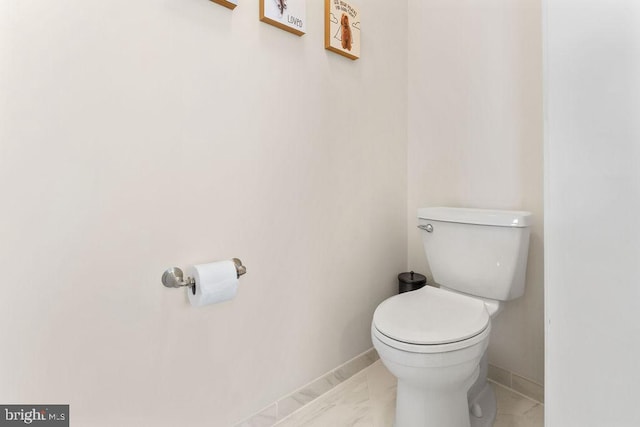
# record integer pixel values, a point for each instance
(174, 276)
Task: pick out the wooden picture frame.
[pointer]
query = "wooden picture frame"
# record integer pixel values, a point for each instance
(288, 15)
(231, 4)
(342, 28)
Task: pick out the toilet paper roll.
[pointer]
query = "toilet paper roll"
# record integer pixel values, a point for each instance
(215, 282)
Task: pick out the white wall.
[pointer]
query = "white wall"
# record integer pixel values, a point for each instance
(135, 136)
(592, 198)
(475, 138)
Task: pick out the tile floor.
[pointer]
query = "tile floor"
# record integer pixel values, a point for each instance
(368, 400)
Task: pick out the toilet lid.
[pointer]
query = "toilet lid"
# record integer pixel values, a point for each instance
(431, 316)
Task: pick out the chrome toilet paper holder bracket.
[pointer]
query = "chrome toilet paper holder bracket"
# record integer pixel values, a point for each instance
(174, 276)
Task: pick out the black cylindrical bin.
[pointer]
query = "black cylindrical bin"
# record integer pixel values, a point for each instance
(410, 281)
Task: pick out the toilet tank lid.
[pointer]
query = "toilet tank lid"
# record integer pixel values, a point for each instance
(498, 218)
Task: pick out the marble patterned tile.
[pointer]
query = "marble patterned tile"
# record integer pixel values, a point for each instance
(527, 387)
(339, 416)
(367, 399)
(354, 392)
(382, 384)
(297, 400)
(515, 410)
(532, 417)
(265, 418)
(309, 393)
(384, 412)
(510, 403)
(356, 365)
(356, 397)
(382, 394)
(345, 405)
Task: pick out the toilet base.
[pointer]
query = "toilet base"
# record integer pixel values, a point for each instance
(486, 399)
(416, 407)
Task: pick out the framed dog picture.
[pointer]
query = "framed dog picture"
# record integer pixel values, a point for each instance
(231, 4)
(342, 28)
(288, 15)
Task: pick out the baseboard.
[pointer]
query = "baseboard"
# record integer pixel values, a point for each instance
(290, 403)
(517, 383)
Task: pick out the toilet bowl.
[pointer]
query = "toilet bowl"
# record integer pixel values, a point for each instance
(434, 340)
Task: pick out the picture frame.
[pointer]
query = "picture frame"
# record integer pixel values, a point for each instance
(288, 15)
(230, 4)
(342, 28)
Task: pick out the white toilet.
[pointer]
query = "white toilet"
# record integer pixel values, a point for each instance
(434, 339)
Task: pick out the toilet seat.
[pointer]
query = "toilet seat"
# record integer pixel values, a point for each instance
(431, 320)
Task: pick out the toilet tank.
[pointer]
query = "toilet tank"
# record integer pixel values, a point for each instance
(477, 251)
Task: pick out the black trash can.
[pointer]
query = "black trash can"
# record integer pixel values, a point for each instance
(410, 281)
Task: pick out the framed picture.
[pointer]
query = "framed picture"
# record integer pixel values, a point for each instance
(231, 4)
(342, 28)
(288, 15)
